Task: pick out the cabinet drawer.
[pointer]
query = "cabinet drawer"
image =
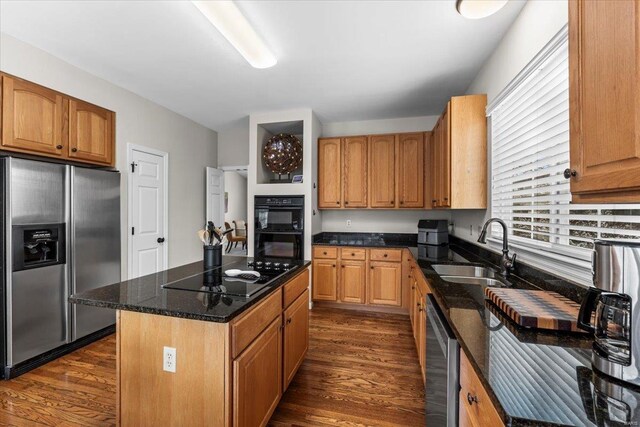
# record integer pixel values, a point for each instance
(394, 255)
(245, 329)
(295, 287)
(353, 253)
(475, 398)
(326, 252)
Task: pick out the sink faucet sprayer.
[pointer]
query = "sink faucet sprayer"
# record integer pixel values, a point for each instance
(507, 262)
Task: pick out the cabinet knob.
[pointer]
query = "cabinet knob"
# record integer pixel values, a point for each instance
(346, 203)
(334, 266)
(371, 268)
(472, 399)
(342, 266)
(59, 147)
(288, 321)
(324, 253)
(385, 255)
(337, 203)
(391, 202)
(402, 202)
(74, 149)
(569, 173)
(446, 198)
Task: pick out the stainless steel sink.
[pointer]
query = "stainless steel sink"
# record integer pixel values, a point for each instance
(469, 271)
(481, 281)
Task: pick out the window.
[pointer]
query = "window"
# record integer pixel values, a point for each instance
(529, 125)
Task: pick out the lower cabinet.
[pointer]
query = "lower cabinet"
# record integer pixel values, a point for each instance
(296, 336)
(474, 408)
(257, 373)
(325, 280)
(385, 283)
(353, 280)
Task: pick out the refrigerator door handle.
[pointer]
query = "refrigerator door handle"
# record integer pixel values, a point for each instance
(71, 255)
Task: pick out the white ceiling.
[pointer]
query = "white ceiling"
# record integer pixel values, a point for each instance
(347, 60)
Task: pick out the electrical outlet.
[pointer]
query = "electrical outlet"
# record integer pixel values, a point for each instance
(169, 359)
(348, 223)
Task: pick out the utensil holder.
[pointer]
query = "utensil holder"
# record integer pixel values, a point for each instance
(212, 256)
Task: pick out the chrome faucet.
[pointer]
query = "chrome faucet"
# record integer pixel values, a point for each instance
(507, 262)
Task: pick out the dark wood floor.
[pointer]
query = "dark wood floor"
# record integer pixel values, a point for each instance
(361, 369)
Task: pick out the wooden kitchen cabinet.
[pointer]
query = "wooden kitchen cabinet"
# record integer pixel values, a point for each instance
(325, 280)
(384, 286)
(353, 280)
(382, 172)
(257, 373)
(474, 407)
(354, 167)
(32, 118)
(91, 130)
(296, 337)
(329, 173)
(410, 170)
(604, 100)
(459, 155)
(43, 122)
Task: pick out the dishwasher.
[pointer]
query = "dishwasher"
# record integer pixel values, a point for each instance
(442, 369)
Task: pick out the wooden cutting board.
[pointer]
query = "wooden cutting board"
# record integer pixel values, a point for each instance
(536, 309)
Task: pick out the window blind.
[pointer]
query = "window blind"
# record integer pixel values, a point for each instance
(530, 151)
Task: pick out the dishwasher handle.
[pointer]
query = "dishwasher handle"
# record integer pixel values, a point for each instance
(439, 324)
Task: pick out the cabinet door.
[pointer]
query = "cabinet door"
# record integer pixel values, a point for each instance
(329, 173)
(257, 378)
(32, 118)
(353, 277)
(605, 100)
(384, 283)
(382, 173)
(422, 334)
(435, 164)
(296, 336)
(411, 170)
(354, 161)
(91, 133)
(445, 159)
(325, 280)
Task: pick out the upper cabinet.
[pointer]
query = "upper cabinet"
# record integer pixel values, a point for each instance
(376, 171)
(354, 169)
(40, 121)
(32, 118)
(459, 155)
(90, 132)
(329, 173)
(604, 93)
(382, 173)
(410, 164)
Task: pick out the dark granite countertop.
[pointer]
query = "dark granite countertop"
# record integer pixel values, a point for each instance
(534, 377)
(384, 240)
(147, 295)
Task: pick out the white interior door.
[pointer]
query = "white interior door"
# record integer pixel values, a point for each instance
(147, 207)
(215, 196)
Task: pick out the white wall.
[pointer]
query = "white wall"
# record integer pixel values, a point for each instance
(233, 144)
(536, 25)
(191, 147)
(235, 185)
(379, 221)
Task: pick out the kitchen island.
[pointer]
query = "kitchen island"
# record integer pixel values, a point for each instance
(197, 348)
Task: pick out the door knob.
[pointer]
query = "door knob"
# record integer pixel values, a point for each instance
(160, 239)
(568, 173)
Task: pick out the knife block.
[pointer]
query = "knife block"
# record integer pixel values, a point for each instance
(212, 256)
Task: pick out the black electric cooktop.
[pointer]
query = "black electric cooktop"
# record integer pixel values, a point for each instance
(216, 282)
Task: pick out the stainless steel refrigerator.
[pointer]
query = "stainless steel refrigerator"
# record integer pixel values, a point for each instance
(61, 235)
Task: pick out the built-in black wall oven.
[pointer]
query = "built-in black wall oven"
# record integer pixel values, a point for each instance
(279, 227)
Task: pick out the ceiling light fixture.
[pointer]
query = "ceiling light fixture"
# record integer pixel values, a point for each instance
(227, 18)
(476, 9)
